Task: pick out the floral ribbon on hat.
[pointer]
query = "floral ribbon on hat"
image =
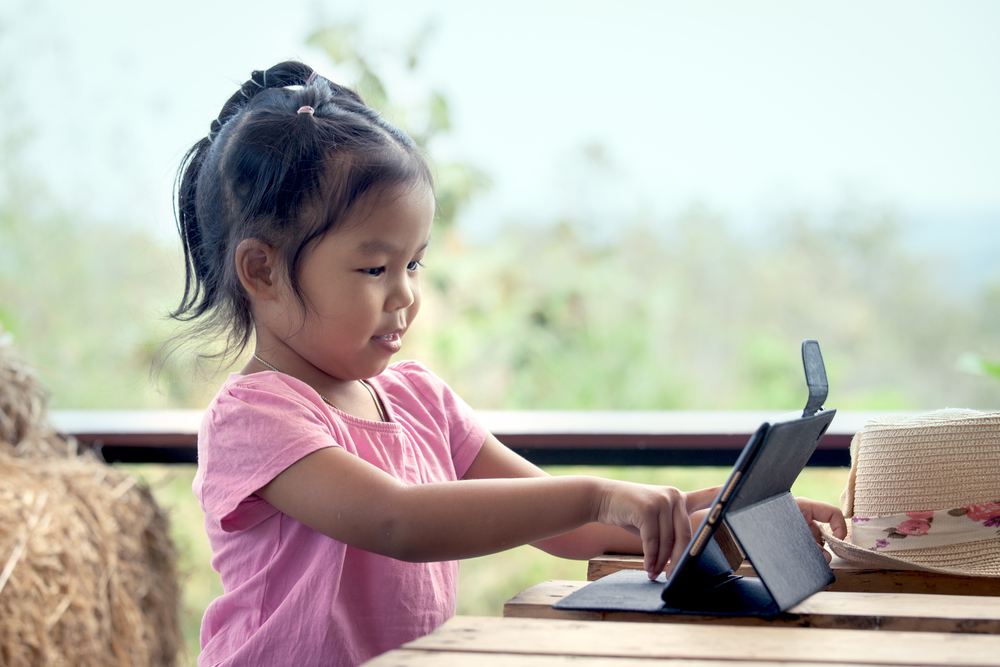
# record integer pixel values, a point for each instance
(920, 530)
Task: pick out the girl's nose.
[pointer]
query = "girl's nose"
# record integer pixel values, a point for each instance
(401, 295)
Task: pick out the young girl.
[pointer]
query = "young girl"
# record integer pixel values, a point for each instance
(339, 490)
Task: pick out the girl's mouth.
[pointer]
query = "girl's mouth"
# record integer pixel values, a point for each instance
(390, 342)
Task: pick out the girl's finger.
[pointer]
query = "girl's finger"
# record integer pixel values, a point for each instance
(817, 535)
(681, 533)
(650, 546)
(701, 499)
(666, 524)
(838, 524)
(824, 513)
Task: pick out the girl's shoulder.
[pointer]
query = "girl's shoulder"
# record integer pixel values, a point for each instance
(407, 368)
(418, 396)
(409, 375)
(265, 383)
(407, 383)
(265, 392)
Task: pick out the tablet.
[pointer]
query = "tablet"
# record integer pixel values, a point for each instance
(753, 514)
(757, 507)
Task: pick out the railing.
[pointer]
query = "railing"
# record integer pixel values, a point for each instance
(545, 437)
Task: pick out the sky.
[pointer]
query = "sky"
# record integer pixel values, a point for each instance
(748, 107)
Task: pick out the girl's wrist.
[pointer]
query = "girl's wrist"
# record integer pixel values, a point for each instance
(600, 497)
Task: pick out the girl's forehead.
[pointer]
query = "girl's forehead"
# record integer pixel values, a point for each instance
(402, 206)
(390, 220)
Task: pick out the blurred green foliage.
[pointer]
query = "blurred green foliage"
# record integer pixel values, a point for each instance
(666, 313)
(685, 313)
(991, 368)
(85, 302)
(424, 115)
(976, 365)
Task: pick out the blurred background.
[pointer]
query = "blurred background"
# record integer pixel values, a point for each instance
(645, 205)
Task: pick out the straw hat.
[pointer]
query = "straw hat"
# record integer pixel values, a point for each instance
(924, 492)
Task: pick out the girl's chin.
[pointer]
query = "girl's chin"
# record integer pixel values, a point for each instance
(377, 366)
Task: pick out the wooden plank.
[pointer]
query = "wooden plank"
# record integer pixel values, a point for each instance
(584, 427)
(149, 428)
(850, 577)
(826, 609)
(417, 658)
(650, 429)
(526, 636)
(578, 430)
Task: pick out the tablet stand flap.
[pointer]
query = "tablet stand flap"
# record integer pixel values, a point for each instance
(625, 590)
(631, 590)
(736, 596)
(778, 543)
(712, 567)
(812, 362)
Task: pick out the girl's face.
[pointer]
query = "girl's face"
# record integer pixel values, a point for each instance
(361, 287)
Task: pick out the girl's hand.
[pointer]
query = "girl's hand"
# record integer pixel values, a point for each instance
(815, 513)
(659, 515)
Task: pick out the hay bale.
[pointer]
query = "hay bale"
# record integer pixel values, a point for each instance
(24, 429)
(88, 573)
(22, 400)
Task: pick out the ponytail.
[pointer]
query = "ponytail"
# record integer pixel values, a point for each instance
(199, 285)
(279, 76)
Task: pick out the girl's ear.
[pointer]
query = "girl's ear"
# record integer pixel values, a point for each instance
(257, 268)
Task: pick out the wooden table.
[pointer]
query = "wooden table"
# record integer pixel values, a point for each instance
(850, 578)
(826, 609)
(519, 642)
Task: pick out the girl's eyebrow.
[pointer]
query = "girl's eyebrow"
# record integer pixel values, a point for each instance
(381, 246)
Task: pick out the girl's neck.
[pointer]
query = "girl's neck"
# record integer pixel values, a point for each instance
(353, 397)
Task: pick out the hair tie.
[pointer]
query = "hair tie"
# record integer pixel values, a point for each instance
(306, 109)
(311, 78)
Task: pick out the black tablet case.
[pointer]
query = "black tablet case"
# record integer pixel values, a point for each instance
(760, 513)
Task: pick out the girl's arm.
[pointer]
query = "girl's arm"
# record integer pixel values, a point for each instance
(352, 501)
(590, 540)
(495, 460)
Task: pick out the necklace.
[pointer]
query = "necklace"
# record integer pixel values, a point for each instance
(371, 392)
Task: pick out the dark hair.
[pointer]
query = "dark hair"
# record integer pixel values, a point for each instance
(272, 170)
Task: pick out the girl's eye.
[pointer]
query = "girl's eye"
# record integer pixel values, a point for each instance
(412, 266)
(374, 272)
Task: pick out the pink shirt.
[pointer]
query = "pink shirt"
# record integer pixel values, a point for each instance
(292, 595)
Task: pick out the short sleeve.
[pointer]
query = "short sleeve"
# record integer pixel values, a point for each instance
(255, 428)
(462, 428)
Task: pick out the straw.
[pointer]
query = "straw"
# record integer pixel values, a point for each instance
(939, 460)
(89, 572)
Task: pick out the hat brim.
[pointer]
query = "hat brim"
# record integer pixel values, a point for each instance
(971, 559)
